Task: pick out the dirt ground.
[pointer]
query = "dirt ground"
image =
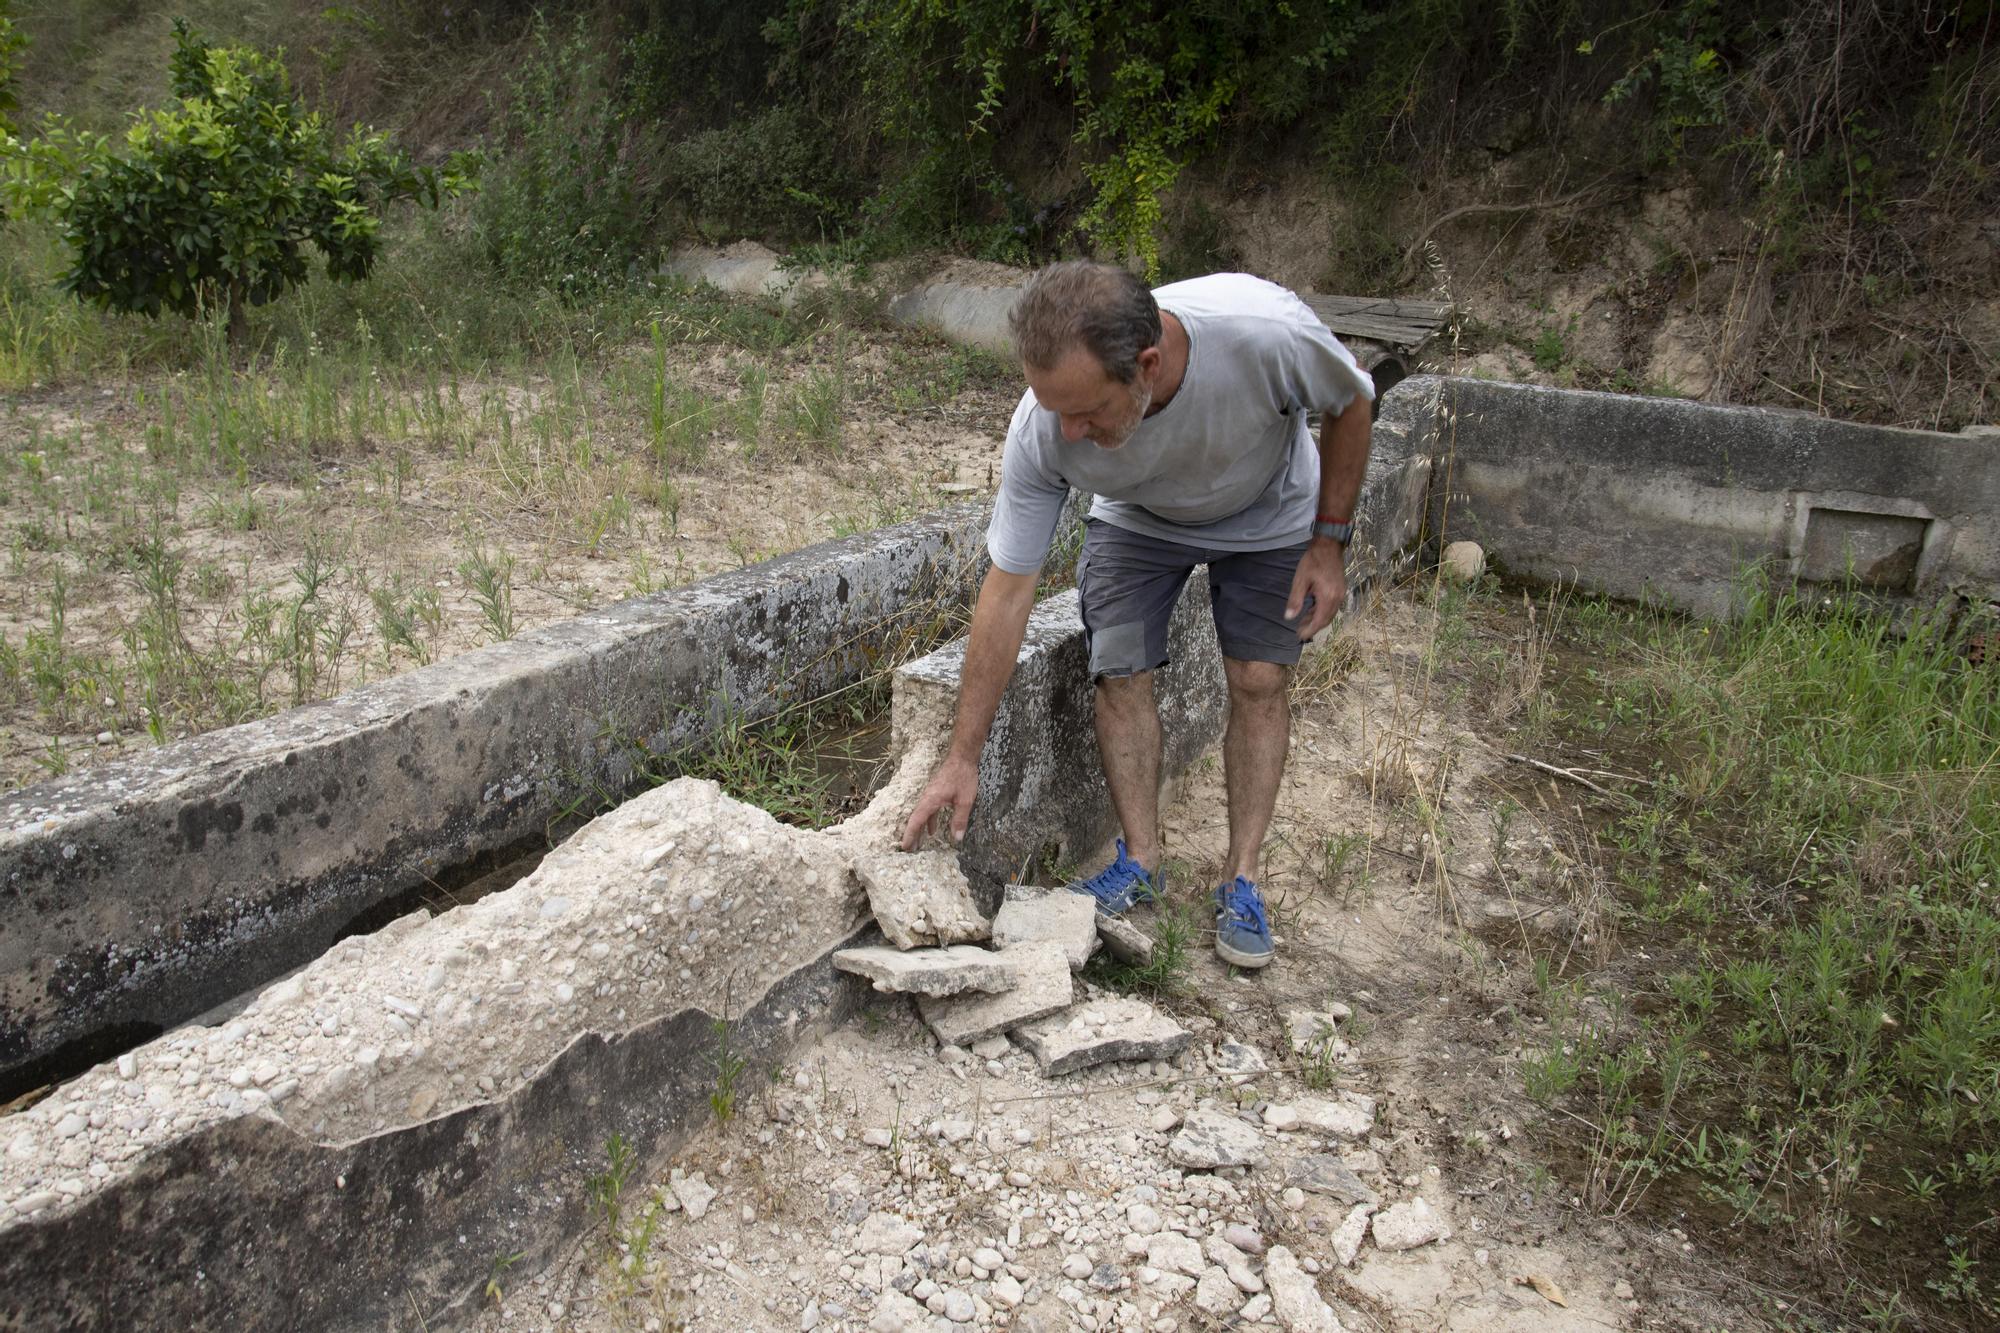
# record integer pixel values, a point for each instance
(1402, 907)
(568, 492)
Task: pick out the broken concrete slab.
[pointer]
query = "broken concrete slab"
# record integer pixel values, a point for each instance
(155, 888)
(948, 971)
(1125, 941)
(1211, 1138)
(1028, 914)
(1042, 986)
(922, 899)
(1102, 1029)
(1324, 1173)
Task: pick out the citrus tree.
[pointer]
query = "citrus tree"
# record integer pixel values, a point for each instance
(218, 202)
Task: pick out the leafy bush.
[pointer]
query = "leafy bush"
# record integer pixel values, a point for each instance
(771, 173)
(213, 204)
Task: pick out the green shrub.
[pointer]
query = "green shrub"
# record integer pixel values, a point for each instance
(771, 173)
(214, 203)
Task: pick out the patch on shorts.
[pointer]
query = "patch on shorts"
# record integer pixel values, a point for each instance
(1119, 650)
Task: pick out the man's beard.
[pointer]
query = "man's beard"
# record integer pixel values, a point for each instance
(1142, 398)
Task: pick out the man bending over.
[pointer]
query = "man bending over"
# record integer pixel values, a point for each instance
(1183, 411)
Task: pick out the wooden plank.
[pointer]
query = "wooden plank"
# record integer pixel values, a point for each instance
(1405, 325)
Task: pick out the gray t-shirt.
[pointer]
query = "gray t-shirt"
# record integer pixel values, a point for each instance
(1228, 463)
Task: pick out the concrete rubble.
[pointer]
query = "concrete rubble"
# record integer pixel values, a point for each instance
(1028, 914)
(939, 972)
(1109, 1028)
(923, 899)
(1125, 941)
(1042, 986)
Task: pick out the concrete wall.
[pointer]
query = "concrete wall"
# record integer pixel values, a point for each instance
(137, 895)
(1669, 499)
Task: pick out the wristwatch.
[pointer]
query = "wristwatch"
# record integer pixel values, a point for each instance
(1334, 529)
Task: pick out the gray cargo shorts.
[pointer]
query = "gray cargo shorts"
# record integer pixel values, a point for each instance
(1128, 583)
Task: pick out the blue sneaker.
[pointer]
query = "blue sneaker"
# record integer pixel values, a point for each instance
(1242, 935)
(1118, 886)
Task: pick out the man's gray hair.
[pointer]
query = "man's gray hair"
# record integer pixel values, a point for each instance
(1105, 310)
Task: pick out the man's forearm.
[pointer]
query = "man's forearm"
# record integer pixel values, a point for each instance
(1343, 457)
(999, 619)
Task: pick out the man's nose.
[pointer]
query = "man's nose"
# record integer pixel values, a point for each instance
(1075, 428)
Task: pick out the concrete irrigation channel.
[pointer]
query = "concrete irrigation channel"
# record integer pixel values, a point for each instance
(359, 1141)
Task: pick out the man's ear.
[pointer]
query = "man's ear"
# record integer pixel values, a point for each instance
(1149, 361)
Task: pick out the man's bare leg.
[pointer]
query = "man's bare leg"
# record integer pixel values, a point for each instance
(1253, 756)
(1128, 736)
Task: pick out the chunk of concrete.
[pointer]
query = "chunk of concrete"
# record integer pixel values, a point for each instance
(922, 899)
(1042, 986)
(1352, 1231)
(1212, 1138)
(948, 971)
(1069, 919)
(1312, 1029)
(1112, 1027)
(1343, 1119)
(1407, 1225)
(1323, 1173)
(1125, 941)
(1295, 1297)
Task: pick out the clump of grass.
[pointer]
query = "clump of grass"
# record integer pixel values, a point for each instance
(491, 578)
(1818, 854)
(1174, 927)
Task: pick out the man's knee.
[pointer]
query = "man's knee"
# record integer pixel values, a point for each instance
(1256, 682)
(1136, 688)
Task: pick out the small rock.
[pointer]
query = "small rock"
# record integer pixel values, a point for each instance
(1352, 1231)
(1076, 1268)
(1257, 1309)
(1294, 1199)
(988, 1258)
(992, 1048)
(1405, 1226)
(1344, 1119)
(1105, 1277)
(1143, 1218)
(1175, 1253)
(1240, 1062)
(1164, 1120)
(1243, 1238)
(1209, 1139)
(886, 1233)
(1281, 1118)
(1006, 1291)
(958, 1307)
(809, 1320)
(1323, 1173)
(695, 1195)
(877, 1138)
(1215, 1294)
(1621, 1290)
(1295, 1297)
(896, 1313)
(1463, 561)
(72, 1125)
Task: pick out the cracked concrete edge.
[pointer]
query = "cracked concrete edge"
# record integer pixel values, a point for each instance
(287, 1232)
(139, 894)
(1670, 500)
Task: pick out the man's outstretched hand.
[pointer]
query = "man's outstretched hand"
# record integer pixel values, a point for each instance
(1322, 576)
(955, 784)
